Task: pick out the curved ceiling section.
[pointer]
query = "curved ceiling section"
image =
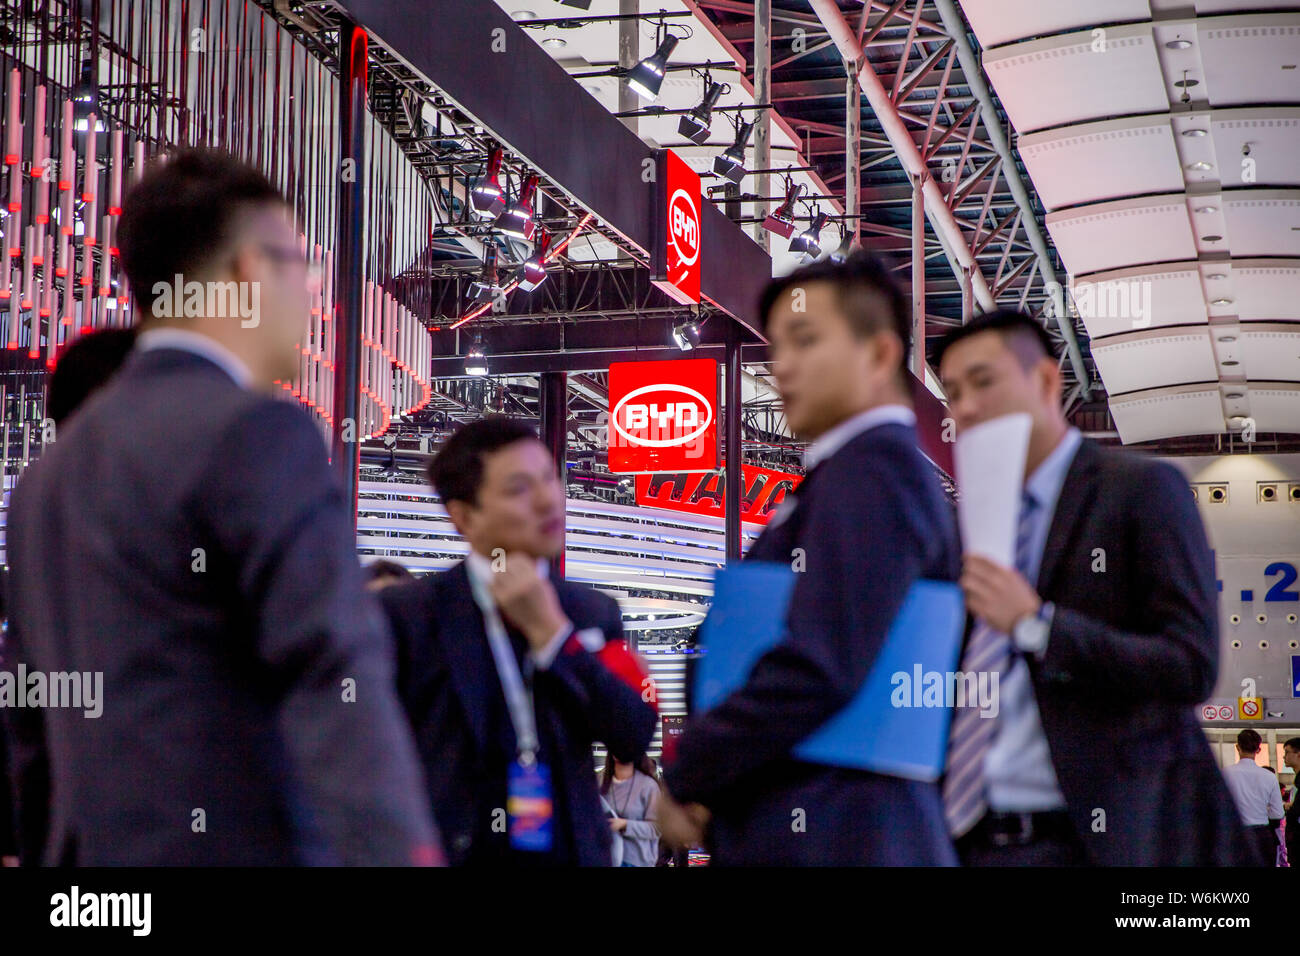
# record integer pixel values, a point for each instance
(1163, 147)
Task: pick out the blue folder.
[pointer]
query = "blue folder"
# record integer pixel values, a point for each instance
(882, 729)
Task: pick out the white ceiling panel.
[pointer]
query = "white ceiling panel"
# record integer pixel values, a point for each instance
(1112, 159)
(996, 22)
(1246, 57)
(1067, 79)
(1273, 138)
(1264, 289)
(1275, 408)
(1126, 300)
(1263, 222)
(1168, 412)
(1270, 351)
(1151, 359)
(1121, 233)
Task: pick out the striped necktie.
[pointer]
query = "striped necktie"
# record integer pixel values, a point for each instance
(988, 650)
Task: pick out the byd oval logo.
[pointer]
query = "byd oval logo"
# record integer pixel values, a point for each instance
(662, 417)
(684, 227)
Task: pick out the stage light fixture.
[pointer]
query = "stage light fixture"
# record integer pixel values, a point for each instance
(686, 335)
(809, 242)
(517, 220)
(486, 288)
(487, 196)
(534, 272)
(697, 124)
(731, 164)
(647, 77)
(476, 360)
(781, 221)
(845, 248)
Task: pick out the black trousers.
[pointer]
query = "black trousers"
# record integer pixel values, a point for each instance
(1265, 838)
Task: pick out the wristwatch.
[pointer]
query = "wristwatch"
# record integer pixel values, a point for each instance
(1030, 633)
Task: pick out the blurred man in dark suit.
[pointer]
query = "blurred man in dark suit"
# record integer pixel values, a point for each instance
(1105, 638)
(186, 538)
(508, 676)
(868, 521)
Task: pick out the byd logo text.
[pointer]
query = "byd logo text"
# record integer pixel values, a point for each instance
(685, 225)
(662, 423)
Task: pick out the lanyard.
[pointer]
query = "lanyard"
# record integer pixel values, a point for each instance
(519, 695)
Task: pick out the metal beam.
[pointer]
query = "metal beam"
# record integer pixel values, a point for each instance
(593, 360)
(887, 114)
(956, 27)
(481, 60)
(345, 438)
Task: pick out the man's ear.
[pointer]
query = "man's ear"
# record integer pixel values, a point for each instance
(460, 513)
(1050, 380)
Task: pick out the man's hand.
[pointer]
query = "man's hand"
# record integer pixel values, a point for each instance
(528, 601)
(681, 825)
(617, 824)
(999, 595)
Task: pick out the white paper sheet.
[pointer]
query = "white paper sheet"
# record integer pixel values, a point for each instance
(990, 463)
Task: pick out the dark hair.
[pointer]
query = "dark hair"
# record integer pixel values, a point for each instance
(1023, 335)
(1293, 743)
(87, 364)
(456, 471)
(869, 297)
(641, 764)
(180, 216)
(386, 571)
(1249, 740)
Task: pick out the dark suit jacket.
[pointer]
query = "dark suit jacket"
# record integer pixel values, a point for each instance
(870, 521)
(453, 698)
(186, 538)
(1132, 649)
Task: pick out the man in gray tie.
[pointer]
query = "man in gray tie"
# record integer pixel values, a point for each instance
(1104, 636)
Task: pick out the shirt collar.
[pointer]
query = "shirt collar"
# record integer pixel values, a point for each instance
(479, 569)
(198, 344)
(1049, 477)
(836, 438)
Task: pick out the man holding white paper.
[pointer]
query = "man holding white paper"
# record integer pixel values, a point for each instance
(1100, 621)
(868, 522)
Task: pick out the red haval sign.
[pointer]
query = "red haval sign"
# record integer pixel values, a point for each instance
(676, 254)
(663, 416)
(761, 490)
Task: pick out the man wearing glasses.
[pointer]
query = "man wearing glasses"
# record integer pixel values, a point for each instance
(185, 537)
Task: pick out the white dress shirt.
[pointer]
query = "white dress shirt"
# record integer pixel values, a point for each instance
(1255, 791)
(833, 439)
(1018, 766)
(479, 569)
(198, 344)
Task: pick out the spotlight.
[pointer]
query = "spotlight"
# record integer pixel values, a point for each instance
(534, 273)
(809, 242)
(486, 288)
(476, 361)
(781, 221)
(517, 220)
(487, 196)
(731, 164)
(646, 77)
(697, 124)
(845, 247)
(686, 335)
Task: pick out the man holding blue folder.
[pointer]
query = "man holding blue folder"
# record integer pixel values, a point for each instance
(866, 524)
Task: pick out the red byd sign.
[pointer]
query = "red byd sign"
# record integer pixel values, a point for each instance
(675, 265)
(761, 491)
(663, 416)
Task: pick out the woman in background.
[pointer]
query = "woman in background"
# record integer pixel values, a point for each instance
(631, 791)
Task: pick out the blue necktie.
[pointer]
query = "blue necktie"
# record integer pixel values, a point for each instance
(989, 650)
